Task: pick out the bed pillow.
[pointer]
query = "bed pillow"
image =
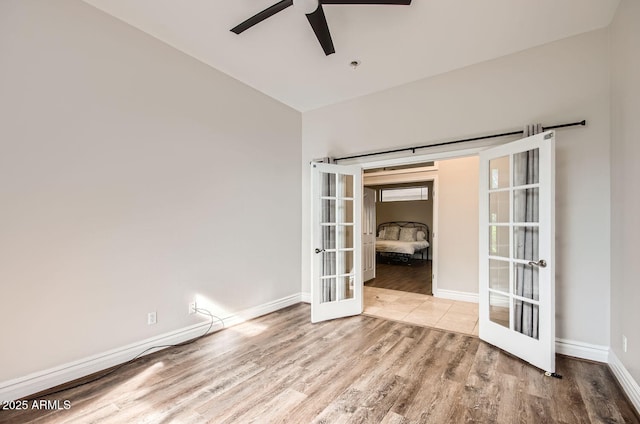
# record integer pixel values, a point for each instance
(408, 234)
(421, 236)
(381, 234)
(392, 233)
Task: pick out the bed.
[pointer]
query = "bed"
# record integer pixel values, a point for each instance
(400, 240)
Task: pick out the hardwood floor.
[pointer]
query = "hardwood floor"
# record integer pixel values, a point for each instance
(281, 368)
(414, 278)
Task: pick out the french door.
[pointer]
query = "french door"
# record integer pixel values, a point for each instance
(517, 269)
(336, 286)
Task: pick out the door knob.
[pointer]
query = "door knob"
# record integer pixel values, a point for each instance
(541, 263)
(319, 250)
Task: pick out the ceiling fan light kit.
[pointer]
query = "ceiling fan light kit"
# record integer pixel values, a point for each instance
(315, 15)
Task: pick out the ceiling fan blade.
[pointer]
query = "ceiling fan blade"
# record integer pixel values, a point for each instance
(259, 17)
(398, 2)
(319, 24)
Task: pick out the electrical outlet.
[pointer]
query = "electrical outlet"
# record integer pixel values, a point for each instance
(192, 307)
(624, 343)
(152, 318)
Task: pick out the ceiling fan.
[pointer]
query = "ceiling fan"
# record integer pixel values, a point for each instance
(315, 16)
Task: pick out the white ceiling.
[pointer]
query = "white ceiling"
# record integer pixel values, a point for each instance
(395, 44)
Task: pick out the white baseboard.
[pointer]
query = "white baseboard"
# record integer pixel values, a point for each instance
(456, 295)
(45, 379)
(629, 385)
(582, 350)
(258, 311)
(305, 297)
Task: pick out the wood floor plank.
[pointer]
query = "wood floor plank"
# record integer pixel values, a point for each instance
(346, 367)
(594, 386)
(424, 384)
(280, 368)
(413, 278)
(393, 418)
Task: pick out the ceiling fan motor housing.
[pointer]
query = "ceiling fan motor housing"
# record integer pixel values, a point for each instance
(314, 13)
(306, 6)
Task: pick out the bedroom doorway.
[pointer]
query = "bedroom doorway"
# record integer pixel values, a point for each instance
(405, 197)
(405, 287)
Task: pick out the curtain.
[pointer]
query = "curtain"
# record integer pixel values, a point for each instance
(525, 171)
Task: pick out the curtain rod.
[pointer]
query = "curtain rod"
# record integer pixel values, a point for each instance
(464, 140)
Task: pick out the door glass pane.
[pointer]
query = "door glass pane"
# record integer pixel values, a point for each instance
(346, 185)
(346, 262)
(525, 205)
(328, 237)
(499, 309)
(525, 243)
(328, 182)
(345, 211)
(345, 287)
(499, 241)
(329, 264)
(328, 210)
(526, 281)
(499, 172)
(525, 318)
(526, 168)
(499, 275)
(499, 206)
(328, 290)
(345, 236)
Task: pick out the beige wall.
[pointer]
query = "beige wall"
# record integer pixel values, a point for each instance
(416, 211)
(458, 225)
(625, 180)
(564, 81)
(123, 168)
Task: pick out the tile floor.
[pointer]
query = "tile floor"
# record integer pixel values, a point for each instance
(421, 309)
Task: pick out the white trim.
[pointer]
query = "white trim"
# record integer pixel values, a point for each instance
(405, 177)
(437, 153)
(52, 377)
(629, 385)
(435, 233)
(582, 350)
(456, 295)
(404, 170)
(260, 310)
(305, 297)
